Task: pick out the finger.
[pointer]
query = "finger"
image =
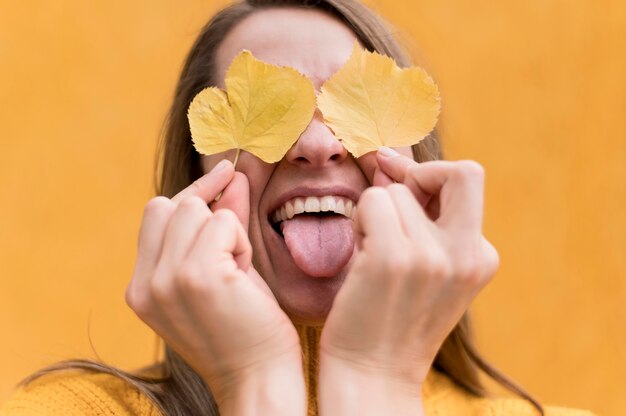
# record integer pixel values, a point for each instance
(157, 213)
(236, 197)
(381, 178)
(210, 185)
(491, 259)
(222, 234)
(393, 163)
(376, 224)
(432, 208)
(415, 223)
(460, 186)
(190, 215)
(396, 166)
(258, 281)
(156, 216)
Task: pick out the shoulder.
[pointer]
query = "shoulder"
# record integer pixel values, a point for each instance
(74, 393)
(501, 406)
(444, 397)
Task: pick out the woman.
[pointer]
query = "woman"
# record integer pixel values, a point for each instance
(240, 298)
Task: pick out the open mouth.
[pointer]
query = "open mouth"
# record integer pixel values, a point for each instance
(324, 206)
(317, 232)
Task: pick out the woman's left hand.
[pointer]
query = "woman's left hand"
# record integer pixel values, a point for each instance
(421, 260)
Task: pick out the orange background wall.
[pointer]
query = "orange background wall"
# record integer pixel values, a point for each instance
(534, 90)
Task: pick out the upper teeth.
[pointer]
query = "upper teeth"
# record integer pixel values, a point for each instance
(329, 203)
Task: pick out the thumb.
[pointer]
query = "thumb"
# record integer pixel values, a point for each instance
(236, 197)
(398, 167)
(381, 178)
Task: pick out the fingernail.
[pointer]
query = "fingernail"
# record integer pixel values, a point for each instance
(220, 166)
(387, 151)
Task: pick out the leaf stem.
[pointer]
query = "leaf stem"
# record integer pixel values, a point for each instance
(217, 198)
(236, 158)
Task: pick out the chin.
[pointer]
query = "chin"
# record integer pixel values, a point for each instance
(307, 315)
(308, 300)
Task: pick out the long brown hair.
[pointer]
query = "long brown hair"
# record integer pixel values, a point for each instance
(178, 390)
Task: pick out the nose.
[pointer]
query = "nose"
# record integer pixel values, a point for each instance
(317, 146)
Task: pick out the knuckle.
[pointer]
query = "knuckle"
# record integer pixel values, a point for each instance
(195, 187)
(157, 204)
(138, 302)
(492, 260)
(192, 203)
(396, 187)
(131, 297)
(470, 272)
(161, 292)
(399, 190)
(190, 278)
(474, 268)
(436, 265)
(372, 194)
(398, 264)
(440, 269)
(225, 215)
(395, 263)
(414, 170)
(470, 169)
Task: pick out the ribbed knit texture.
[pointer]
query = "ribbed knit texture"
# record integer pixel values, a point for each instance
(74, 393)
(441, 396)
(310, 341)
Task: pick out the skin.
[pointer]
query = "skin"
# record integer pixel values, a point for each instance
(317, 45)
(216, 284)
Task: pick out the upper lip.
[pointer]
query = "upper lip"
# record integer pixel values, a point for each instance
(304, 191)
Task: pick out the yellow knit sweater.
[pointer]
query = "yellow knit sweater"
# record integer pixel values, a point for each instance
(79, 394)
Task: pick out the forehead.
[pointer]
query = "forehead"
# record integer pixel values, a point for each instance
(314, 43)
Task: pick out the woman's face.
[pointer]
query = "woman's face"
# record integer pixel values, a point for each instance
(304, 260)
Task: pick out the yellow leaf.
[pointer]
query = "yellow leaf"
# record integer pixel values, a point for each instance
(264, 110)
(371, 102)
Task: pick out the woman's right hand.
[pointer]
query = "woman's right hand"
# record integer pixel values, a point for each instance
(195, 286)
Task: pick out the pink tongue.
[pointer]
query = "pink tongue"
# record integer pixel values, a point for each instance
(320, 246)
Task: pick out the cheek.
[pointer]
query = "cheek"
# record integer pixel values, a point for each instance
(368, 163)
(209, 162)
(257, 172)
